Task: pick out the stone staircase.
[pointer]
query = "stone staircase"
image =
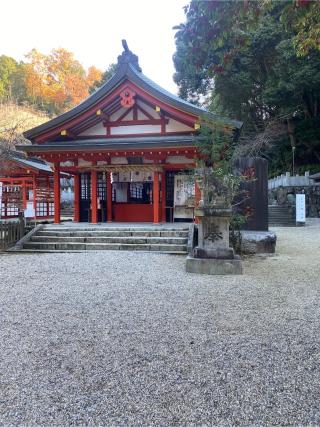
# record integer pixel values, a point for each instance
(280, 216)
(67, 212)
(83, 238)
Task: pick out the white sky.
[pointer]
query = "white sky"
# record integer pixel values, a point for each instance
(93, 29)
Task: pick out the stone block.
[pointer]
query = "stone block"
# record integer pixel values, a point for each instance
(70, 246)
(213, 266)
(218, 252)
(258, 242)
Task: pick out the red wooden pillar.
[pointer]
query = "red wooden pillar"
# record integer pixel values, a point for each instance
(35, 195)
(156, 198)
(56, 191)
(94, 204)
(47, 200)
(24, 194)
(163, 193)
(76, 187)
(109, 197)
(197, 198)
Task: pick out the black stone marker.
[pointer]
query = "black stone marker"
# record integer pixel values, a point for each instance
(256, 186)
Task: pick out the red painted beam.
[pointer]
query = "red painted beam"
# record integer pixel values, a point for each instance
(94, 202)
(163, 194)
(109, 197)
(156, 198)
(117, 123)
(56, 189)
(76, 217)
(127, 135)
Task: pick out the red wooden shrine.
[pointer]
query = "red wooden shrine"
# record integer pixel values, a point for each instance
(26, 180)
(123, 145)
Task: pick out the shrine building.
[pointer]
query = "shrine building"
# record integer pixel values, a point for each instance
(129, 146)
(25, 181)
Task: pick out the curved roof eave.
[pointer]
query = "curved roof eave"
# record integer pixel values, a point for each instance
(115, 80)
(127, 71)
(143, 81)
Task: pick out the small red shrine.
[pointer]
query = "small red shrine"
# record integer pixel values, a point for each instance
(128, 146)
(24, 180)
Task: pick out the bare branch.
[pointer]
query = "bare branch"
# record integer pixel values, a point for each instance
(252, 144)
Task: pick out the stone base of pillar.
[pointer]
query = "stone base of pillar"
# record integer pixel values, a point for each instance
(213, 266)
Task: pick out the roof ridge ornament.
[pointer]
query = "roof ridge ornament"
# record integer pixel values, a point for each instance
(128, 57)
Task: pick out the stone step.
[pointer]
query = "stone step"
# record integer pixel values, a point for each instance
(46, 251)
(67, 212)
(106, 228)
(115, 239)
(281, 225)
(282, 213)
(281, 220)
(169, 248)
(111, 233)
(289, 218)
(278, 208)
(286, 218)
(280, 216)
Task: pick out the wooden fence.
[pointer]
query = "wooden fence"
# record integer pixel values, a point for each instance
(11, 232)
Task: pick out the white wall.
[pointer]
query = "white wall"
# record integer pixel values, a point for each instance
(97, 129)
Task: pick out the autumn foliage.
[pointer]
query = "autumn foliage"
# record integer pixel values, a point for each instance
(54, 83)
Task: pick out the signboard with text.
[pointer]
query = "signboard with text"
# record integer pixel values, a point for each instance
(29, 212)
(0, 198)
(300, 208)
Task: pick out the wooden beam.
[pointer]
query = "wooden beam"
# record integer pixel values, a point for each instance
(135, 112)
(156, 198)
(163, 198)
(125, 114)
(143, 111)
(94, 196)
(109, 197)
(76, 217)
(164, 121)
(117, 123)
(56, 189)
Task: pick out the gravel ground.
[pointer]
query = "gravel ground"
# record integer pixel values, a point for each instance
(122, 338)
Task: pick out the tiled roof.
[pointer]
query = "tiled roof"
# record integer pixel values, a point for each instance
(31, 162)
(114, 143)
(128, 70)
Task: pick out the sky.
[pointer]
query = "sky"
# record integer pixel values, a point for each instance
(93, 30)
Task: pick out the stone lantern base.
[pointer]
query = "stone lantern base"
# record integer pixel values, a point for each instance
(213, 254)
(213, 265)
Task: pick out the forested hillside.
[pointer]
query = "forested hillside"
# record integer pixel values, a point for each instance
(52, 83)
(14, 120)
(259, 62)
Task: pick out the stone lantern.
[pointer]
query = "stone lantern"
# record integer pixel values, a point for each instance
(213, 255)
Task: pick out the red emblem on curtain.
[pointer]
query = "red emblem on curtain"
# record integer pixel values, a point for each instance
(127, 98)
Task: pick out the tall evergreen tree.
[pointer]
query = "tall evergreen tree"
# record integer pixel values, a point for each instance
(243, 58)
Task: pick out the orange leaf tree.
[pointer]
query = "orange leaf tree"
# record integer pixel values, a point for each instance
(57, 82)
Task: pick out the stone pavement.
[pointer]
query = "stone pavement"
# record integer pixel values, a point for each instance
(123, 338)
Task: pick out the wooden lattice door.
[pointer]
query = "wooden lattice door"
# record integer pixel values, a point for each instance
(102, 197)
(85, 197)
